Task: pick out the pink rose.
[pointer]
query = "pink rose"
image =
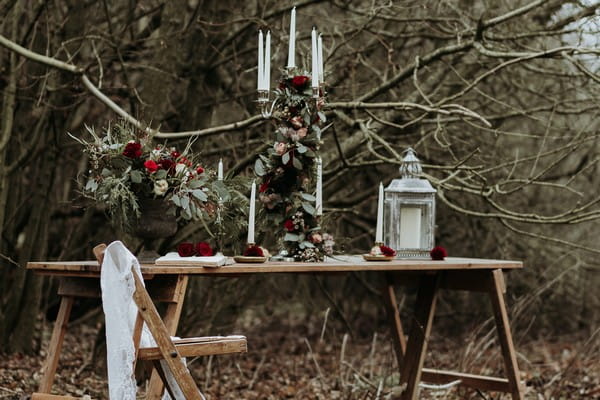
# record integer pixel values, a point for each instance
(280, 148)
(296, 122)
(316, 238)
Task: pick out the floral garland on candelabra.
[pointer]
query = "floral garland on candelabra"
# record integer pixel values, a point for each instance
(288, 169)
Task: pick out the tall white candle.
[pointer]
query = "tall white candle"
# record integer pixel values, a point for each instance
(261, 60)
(315, 67)
(379, 228)
(267, 75)
(292, 45)
(319, 195)
(220, 170)
(410, 228)
(251, 214)
(320, 58)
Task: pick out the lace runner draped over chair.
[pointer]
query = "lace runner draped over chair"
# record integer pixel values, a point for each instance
(135, 330)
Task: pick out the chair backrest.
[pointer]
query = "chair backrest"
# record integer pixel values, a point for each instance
(148, 313)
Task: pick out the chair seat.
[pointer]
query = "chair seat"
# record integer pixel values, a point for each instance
(199, 346)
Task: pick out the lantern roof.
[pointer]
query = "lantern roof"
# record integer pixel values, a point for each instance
(410, 185)
(410, 170)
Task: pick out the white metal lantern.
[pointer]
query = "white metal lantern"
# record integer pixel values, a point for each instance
(409, 211)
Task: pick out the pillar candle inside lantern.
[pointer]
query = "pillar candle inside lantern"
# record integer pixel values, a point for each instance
(410, 227)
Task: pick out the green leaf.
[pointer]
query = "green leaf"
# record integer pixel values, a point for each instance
(176, 199)
(259, 168)
(322, 116)
(308, 197)
(310, 153)
(196, 184)
(285, 158)
(199, 194)
(185, 203)
(297, 164)
(309, 208)
(301, 148)
(221, 190)
(291, 237)
(136, 176)
(91, 185)
(106, 172)
(161, 174)
(307, 244)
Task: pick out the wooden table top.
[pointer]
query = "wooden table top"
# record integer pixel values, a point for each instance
(338, 264)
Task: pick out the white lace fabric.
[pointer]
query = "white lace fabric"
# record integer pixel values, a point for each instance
(120, 313)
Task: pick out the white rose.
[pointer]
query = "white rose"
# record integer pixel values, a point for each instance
(160, 187)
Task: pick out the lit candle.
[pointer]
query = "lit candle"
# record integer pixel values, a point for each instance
(267, 74)
(319, 196)
(315, 67)
(261, 60)
(410, 227)
(220, 170)
(292, 45)
(320, 58)
(251, 214)
(379, 229)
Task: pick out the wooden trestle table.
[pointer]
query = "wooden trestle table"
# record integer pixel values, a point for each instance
(168, 284)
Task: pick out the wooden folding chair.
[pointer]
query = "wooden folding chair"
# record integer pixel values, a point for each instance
(171, 351)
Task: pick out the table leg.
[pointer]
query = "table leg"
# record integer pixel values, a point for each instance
(506, 342)
(410, 372)
(391, 305)
(171, 319)
(56, 341)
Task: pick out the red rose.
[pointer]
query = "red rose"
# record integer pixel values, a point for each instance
(133, 150)
(175, 154)
(151, 166)
(387, 251)
(166, 164)
(203, 249)
(438, 253)
(263, 187)
(299, 82)
(289, 225)
(186, 249)
(253, 251)
(199, 170)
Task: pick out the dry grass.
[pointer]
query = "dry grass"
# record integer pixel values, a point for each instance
(305, 359)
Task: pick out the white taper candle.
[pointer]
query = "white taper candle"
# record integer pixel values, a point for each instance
(319, 195)
(292, 44)
(314, 56)
(320, 58)
(379, 228)
(220, 170)
(267, 75)
(261, 60)
(251, 214)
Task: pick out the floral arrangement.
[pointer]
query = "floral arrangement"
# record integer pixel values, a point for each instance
(187, 249)
(288, 169)
(127, 167)
(438, 253)
(381, 250)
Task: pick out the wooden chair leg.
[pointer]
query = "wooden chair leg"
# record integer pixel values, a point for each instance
(171, 320)
(391, 305)
(159, 371)
(506, 342)
(56, 341)
(410, 373)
